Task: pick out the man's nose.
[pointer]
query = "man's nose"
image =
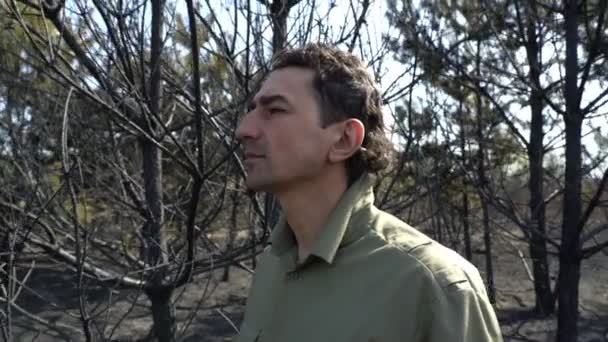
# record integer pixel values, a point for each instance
(247, 128)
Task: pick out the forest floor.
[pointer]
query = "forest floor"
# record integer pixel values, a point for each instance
(217, 305)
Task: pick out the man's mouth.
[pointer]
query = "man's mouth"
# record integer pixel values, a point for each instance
(250, 156)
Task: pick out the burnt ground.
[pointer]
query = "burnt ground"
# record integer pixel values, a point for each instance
(207, 308)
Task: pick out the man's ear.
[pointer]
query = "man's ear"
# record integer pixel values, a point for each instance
(349, 134)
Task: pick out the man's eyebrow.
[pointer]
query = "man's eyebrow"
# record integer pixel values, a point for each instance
(265, 100)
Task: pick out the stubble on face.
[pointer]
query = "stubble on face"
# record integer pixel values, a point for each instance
(256, 173)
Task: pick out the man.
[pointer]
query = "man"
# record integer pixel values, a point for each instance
(338, 268)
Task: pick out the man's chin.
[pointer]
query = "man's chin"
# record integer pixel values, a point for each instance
(257, 185)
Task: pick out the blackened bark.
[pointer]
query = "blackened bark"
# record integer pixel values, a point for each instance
(569, 256)
(279, 12)
(465, 196)
(163, 314)
(481, 174)
(545, 303)
(154, 251)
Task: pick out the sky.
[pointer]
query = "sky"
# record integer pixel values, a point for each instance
(377, 25)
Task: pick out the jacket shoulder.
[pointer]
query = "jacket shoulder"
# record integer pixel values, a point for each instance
(443, 265)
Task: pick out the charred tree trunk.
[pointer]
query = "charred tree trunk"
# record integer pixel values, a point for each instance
(163, 314)
(466, 227)
(154, 251)
(232, 231)
(537, 230)
(481, 174)
(570, 252)
(279, 12)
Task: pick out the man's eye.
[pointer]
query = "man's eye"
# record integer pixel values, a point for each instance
(275, 110)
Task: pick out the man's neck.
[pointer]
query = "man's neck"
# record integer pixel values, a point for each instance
(308, 207)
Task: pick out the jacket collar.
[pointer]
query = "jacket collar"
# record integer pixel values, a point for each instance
(347, 223)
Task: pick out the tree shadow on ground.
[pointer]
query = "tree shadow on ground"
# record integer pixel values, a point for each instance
(50, 299)
(56, 289)
(213, 327)
(527, 325)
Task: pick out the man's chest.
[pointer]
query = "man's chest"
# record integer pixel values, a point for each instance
(343, 303)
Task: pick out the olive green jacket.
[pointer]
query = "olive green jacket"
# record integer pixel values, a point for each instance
(370, 277)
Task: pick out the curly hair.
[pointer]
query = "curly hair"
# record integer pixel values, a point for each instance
(346, 90)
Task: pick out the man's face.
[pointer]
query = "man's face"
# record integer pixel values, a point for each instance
(283, 141)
